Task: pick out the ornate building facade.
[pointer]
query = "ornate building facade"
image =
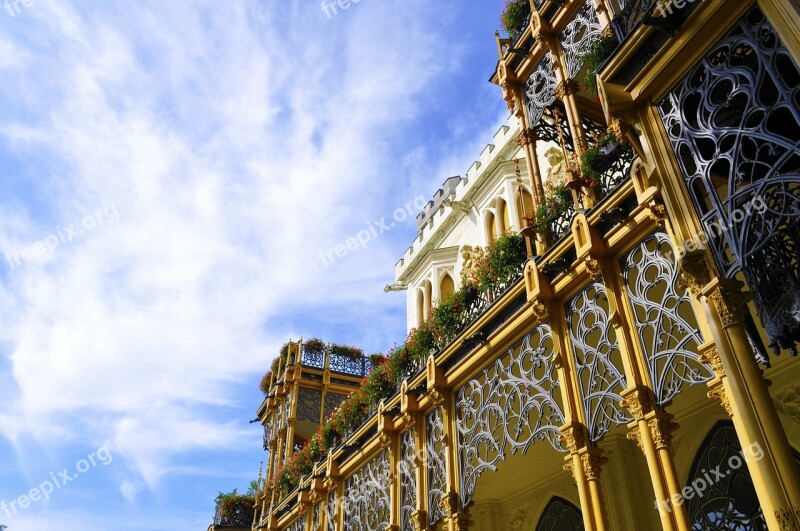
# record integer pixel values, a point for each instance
(639, 372)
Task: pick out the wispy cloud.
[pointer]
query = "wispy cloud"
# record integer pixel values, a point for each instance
(235, 140)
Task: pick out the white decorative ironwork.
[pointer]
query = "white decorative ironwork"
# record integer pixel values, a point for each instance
(540, 89)
(578, 37)
(597, 360)
(298, 525)
(435, 454)
(318, 510)
(734, 124)
(331, 512)
(367, 504)
(508, 406)
(408, 479)
(665, 321)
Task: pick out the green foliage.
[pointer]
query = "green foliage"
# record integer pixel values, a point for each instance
(314, 346)
(599, 157)
(234, 508)
(555, 204)
(514, 15)
(598, 54)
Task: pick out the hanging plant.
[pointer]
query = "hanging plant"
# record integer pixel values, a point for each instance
(514, 17)
(601, 154)
(557, 201)
(235, 509)
(598, 53)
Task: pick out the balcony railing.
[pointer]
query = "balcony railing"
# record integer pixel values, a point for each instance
(335, 362)
(631, 14)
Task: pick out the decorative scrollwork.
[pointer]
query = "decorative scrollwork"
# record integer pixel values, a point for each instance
(309, 404)
(318, 510)
(578, 36)
(631, 14)
(736, 117)
(508, 406)
(354, 366)
(367, 505)
(314, 359)
(298, 525)
(267, 435)
(435, 454)
(408, 480)
(332, 401)
(665, 321)
(331, 511)
(597, 359)
(540, 90)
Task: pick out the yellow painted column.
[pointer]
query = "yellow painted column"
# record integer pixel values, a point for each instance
(741, 389)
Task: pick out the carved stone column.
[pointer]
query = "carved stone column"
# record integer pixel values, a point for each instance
(742, 390)
(584, 463)
(652, 430)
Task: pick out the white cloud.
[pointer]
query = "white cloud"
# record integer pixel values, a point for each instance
(233, 147)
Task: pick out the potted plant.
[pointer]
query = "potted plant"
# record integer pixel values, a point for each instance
(603, 151)
(557, 201)
(514, 17)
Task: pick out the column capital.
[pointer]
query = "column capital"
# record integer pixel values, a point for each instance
(593, 462)
(573, 436)
(635, 434)
(638, 400)
(695, 274)
(419, 520)
(709, 355)
(527, 137)
(729, 299)
(661, 429)
(566, 88)
(717, 391)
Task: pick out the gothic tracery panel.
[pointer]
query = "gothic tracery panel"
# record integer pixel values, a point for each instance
(734, 125)
(435, 455)
(578, 36)
(507, 407)
(598, 362)
(367, 503)
(309, 404)
(560, 515)
(540, 89)
(665, 320)
(408, 479)
(331, 512)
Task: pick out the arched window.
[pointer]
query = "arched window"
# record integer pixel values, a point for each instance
(727, 502)
(446, 287)
(420, 307)
(490, 227)
(503, 222)
(560, 515)
(524, 206)
(428, 291)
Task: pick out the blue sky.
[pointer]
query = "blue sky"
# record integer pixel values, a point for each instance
(170, 173)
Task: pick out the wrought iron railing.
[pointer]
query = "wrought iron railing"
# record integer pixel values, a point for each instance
(631, 14)
(241, 517)
(478, 302)
(517, 35)
(618, 171)
(560, 227)
(336, 362)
